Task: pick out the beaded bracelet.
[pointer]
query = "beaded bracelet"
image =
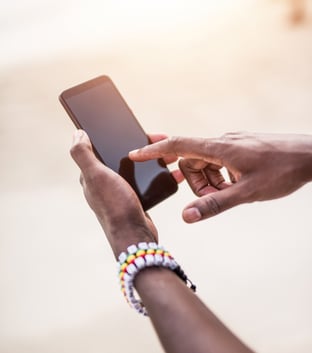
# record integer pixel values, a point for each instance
(136, 259)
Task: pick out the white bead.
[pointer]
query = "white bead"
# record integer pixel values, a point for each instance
(150, 261)
(122, 258)
(132, 269)
(128, 292)
(143, 246)
(137, 306)
(173, 264)
(132, 294)
(127, 277)
(158, 259)
(132, 249)
(153, 245)
(166, 262)
(139, 262)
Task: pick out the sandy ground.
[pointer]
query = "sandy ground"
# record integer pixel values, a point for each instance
(201, 71)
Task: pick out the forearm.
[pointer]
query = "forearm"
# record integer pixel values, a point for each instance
(183, 323)
(290, 165)
(306, 158)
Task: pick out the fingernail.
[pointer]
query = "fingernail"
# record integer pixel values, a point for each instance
(192, 215)
(133, 152)
(77, 137)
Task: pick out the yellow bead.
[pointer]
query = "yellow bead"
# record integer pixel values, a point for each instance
(130, 258)
(123, 266)
(140, 253)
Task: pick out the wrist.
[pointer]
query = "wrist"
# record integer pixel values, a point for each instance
(120, 238)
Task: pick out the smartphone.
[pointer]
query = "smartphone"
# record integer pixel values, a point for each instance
(97, 107)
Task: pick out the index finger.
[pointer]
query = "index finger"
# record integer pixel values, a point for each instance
(159, 137)
(187, 147)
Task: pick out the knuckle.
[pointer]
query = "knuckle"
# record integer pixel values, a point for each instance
(183, 164)
(173, 143)
(205, 145)
(211, 206)
(229, 136)
(93, 176)
(77, 149)
(233, 135)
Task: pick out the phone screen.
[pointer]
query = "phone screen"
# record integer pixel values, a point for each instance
(97, 107)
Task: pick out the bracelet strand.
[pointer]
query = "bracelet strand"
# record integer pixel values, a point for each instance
(136, 259)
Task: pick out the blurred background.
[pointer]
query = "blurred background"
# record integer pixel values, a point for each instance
(194, 68)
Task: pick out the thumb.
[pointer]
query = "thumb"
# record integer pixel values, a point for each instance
(214, 203)
(82, 152)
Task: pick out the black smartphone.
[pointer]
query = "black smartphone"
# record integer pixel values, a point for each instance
(97, 107)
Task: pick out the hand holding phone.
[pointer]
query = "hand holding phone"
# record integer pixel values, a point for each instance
(97, 107)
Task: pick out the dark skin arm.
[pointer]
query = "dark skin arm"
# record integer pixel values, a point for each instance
(261, 167)
(183, 323)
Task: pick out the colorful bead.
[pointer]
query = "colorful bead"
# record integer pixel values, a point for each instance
(121, 275)
(123, 266)
(130, 258)
(140, 253)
